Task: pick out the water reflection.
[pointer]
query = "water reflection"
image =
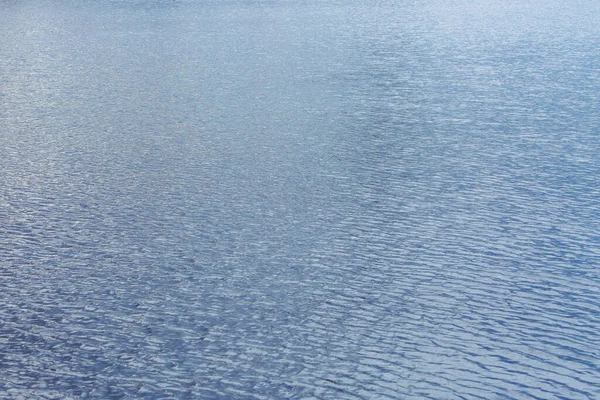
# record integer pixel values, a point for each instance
(298, 200)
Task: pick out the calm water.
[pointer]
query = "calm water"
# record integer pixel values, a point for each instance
(299, 199)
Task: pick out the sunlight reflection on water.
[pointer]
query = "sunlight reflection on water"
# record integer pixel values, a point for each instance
(299, 200)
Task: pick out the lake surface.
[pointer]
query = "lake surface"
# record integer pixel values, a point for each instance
(299, 199)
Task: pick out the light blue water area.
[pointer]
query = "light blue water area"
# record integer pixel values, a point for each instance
(299, 199)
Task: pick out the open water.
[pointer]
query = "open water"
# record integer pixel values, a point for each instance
(306, 199)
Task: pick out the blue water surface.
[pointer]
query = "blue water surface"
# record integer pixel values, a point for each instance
(309, 199)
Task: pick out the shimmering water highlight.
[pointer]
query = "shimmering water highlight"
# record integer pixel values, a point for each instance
(300, 199)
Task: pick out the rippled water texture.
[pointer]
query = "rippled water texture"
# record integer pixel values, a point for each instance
(299, 199)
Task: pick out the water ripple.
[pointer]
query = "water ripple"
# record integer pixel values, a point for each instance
(316, 201)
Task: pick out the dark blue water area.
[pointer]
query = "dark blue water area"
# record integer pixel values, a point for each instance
(299, 199)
